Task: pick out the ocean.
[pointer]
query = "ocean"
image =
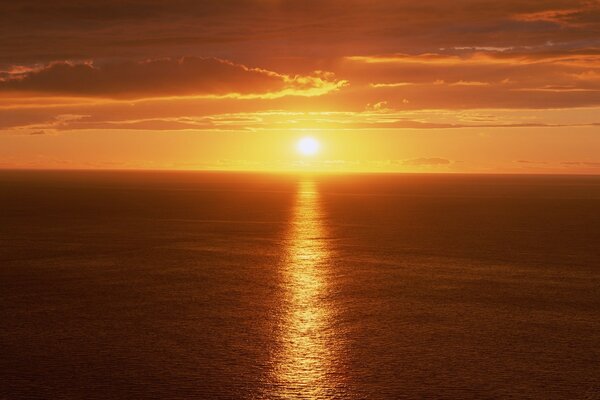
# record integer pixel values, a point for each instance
(179, 285)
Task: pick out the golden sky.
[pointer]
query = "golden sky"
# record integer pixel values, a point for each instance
(497, 86)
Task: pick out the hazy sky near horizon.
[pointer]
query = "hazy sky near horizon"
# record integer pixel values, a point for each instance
(429, 85)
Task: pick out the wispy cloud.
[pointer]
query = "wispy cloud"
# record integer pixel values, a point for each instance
(431, 161)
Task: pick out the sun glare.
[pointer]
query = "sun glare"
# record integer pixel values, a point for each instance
(308, 146)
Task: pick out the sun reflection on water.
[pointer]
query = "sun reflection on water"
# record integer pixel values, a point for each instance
(304, 365)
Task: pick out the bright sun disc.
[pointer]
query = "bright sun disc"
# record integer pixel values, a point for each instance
(308, 146)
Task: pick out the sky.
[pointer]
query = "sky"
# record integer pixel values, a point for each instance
(475, 86)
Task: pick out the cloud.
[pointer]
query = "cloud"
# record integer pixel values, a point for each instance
(479, 79)
(390, 85)
(469, 83)
(186, 76)
(36, 31)
(227, 114)
(581, 164)
(434, 161)
(530, 162)
(585, 14)
(380, 106)
(394, 55)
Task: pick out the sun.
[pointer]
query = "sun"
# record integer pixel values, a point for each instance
(308, 146)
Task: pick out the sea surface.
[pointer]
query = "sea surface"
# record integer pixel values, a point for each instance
(164, 285)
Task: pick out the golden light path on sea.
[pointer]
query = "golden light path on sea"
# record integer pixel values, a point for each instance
(305, 366)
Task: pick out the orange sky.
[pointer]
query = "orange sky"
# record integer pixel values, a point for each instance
(432, 86)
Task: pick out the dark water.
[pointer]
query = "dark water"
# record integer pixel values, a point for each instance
(183, 285)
